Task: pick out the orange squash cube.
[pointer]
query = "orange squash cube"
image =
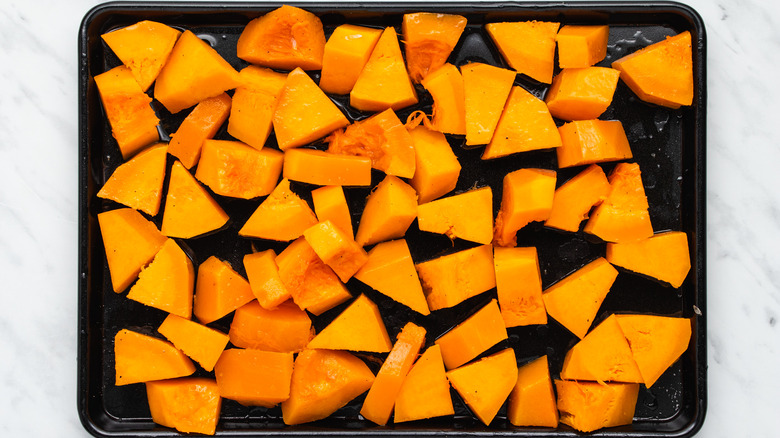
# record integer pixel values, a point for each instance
(263, 275)
(588, 406)
(656, 342)
(467, 216)
(486, 89)
(189, 209)
(425, 393)
(167, 283)
(219, 290)
(472, 337)
(592, 141)
(358, 328)
(232, 168)
(284, 329)
(138, 183)
(254, 103)
(532, 402)
(202, 344)
(437, 168)
(527, 197)
(201, 123)
(336, 249)
(453, 278)
(449, 102)
(142, 358)
(389, 211)
(519, 286)
(574, 199)
(254, 377)
(582, 93)
(429, 39)
(322, 168)
(664, 256)
(282, 216)
(535, 56)
(188, 405)
(346, 52)
(331, 204)
(581, 46)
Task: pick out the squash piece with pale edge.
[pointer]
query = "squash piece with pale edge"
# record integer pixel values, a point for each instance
(331, 204)
(486, 89)
(190, 405)
(486, 383)
(535, 56)
(167, 283)
(384, 82)
(130, 242)
(201, 124)
(358, 328)
(532, 402)
(574, 199)
(656, 342)
(254, 377)
(285, 38)
(467, 216)
(381, 397)
(390, 270)
(527, 197)
(581, 46)
(472, 337)
(664, 256)
(234, 169)
(254, 103)
(661, 73)
(623, 216)
(282, 216)
(138, 183)
(519, 286)
(449, 280)
(382, 138)
(429, 39)
(581, 93)
(189, 209)
(588, 406)
(446, 87)
(425, 393)
(525, 125)
(322, 168)
(219, 290)
(575, 300)
(194, 72)
(202, 344)
(312, 284)
(264, 280)
(592, 141)
(304, 113)
(133, 121)
(284, 329)
(346, 52)
(142, 358)
(336, 249)
(437, 169)
(389, 211)
(324, 381)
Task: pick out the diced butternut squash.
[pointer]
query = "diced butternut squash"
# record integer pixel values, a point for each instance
(519, 286)
(201, 123)
(282, 216)
(202, 344)
(144, 48)
(322, 168)
(575, 300)
(390, 270)
(383, 139)
(254, 103)
(664, 256)
(285, 38)
(358, 328)
(453, 278)
(467, 216)
(258, 78)
(264, 280)
(446, 87)
(425, 393)
(581, 46)
(190, 405)
(623, 216)
(167, 283)
(232, 168)
(532, 402)
(588, 406)
(389, 211)
(336, 249)
(194, 72)
(138, 183)
(346, 52)
(384, 82)
(130, 242)
(486, 383)
(472, 337)
(142, 358)
(592, 141)
(324, 381)
(661, 73)
(582, 93)
(133, 121)
(219, 290)
(486, 89)
(527, 197)
(381, 397)
(429, 38)
(254, 377)
(525, 125)
(535, 56)
(574, 199)
(312, 284)
(304, 113)
(437, 167)
(189, 209)
(656, 342)
(284, 329)
(330, 204)
(603, 355)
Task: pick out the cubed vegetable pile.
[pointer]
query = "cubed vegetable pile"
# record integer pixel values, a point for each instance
(281, 134)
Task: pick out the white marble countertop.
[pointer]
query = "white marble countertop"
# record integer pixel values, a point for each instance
(38, 213)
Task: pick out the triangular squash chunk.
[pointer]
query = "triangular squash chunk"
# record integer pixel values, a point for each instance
(535, 56)
(389, 211)
(189, 209)
(138, 183)
(425, 392)
(142, 358)
(486, 89)
(168, 282)
(656, 342)
(190, 405)
(472, 337)
(429, 38)
(202, 344)
(588, 406)
(282, 216)
(358, 328)
(446, 87)
(532, 402)
(263, 276)
(390, 270)
(219, 290)
(467, 216)
(665, 256)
